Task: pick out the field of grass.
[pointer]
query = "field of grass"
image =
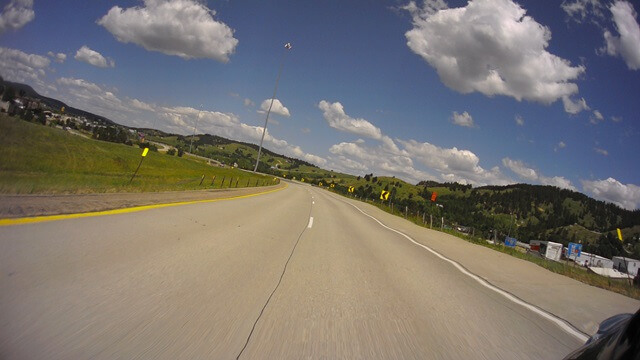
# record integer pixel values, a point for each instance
(40, 159)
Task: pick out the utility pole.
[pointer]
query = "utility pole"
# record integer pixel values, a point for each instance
(287, 46)
(194, 129)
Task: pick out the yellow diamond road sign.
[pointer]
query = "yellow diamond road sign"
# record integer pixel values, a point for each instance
(384, 195)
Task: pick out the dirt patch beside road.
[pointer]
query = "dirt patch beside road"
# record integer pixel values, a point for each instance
(17, 206)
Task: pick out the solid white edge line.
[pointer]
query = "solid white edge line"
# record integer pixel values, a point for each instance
(556, 320)
(310, 223)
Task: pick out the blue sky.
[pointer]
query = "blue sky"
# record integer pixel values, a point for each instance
(479, 92)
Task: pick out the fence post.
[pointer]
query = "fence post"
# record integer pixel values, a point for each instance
(213, 179)
(442, 226)
(248, 182)
(423, 218)
(201, 180)
(237, 181)
(222, 183)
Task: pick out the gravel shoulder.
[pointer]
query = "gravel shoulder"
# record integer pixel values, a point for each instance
(17, 206)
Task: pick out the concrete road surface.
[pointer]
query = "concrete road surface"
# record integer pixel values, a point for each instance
(294, 274)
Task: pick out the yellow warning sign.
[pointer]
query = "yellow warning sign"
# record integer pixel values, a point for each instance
(384, 195)
(145, 151)
(351, 189)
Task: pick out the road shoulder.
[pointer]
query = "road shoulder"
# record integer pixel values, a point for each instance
(18, 206)
(583, 306)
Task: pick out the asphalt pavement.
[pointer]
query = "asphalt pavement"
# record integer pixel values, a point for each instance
(298, 273)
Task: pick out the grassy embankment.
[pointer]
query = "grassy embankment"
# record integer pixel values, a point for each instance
(39, 159)
(579, 273)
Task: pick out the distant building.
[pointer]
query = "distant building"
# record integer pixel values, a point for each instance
(626, 265)
(587, 259)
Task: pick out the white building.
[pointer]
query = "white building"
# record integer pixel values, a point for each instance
(626, 265)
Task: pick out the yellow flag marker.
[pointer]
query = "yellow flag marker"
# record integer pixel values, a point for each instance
(619, 235)
(144, 153)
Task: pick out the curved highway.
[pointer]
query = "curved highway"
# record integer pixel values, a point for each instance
(297, 273)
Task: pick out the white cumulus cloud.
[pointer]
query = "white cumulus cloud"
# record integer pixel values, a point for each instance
(601, 151)
(492, 47)
(184, 28)
(627, 45)
(16, 14)
(85, 54)
(21, 67)
(141, 105)
(581, 10)
(357, 156)
(574, 106)
(57, 57)
(335, 116)
(596, 117)
(92, 97)
(527, 173)
(454, 164)
(611, 190)
(464, 119)
(276, 108)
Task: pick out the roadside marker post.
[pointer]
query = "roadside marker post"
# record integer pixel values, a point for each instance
(213, 179)
(624, 260)
(144, 154)
(201, 180)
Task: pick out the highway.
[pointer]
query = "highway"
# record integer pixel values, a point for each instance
(299, 273)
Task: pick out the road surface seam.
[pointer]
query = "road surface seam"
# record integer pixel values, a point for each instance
(277, 285)
(37, 219)
(560, 322)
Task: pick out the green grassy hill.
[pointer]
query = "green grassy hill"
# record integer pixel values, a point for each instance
(42, 159)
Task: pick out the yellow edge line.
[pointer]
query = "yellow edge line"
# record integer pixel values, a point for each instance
(37, 219)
